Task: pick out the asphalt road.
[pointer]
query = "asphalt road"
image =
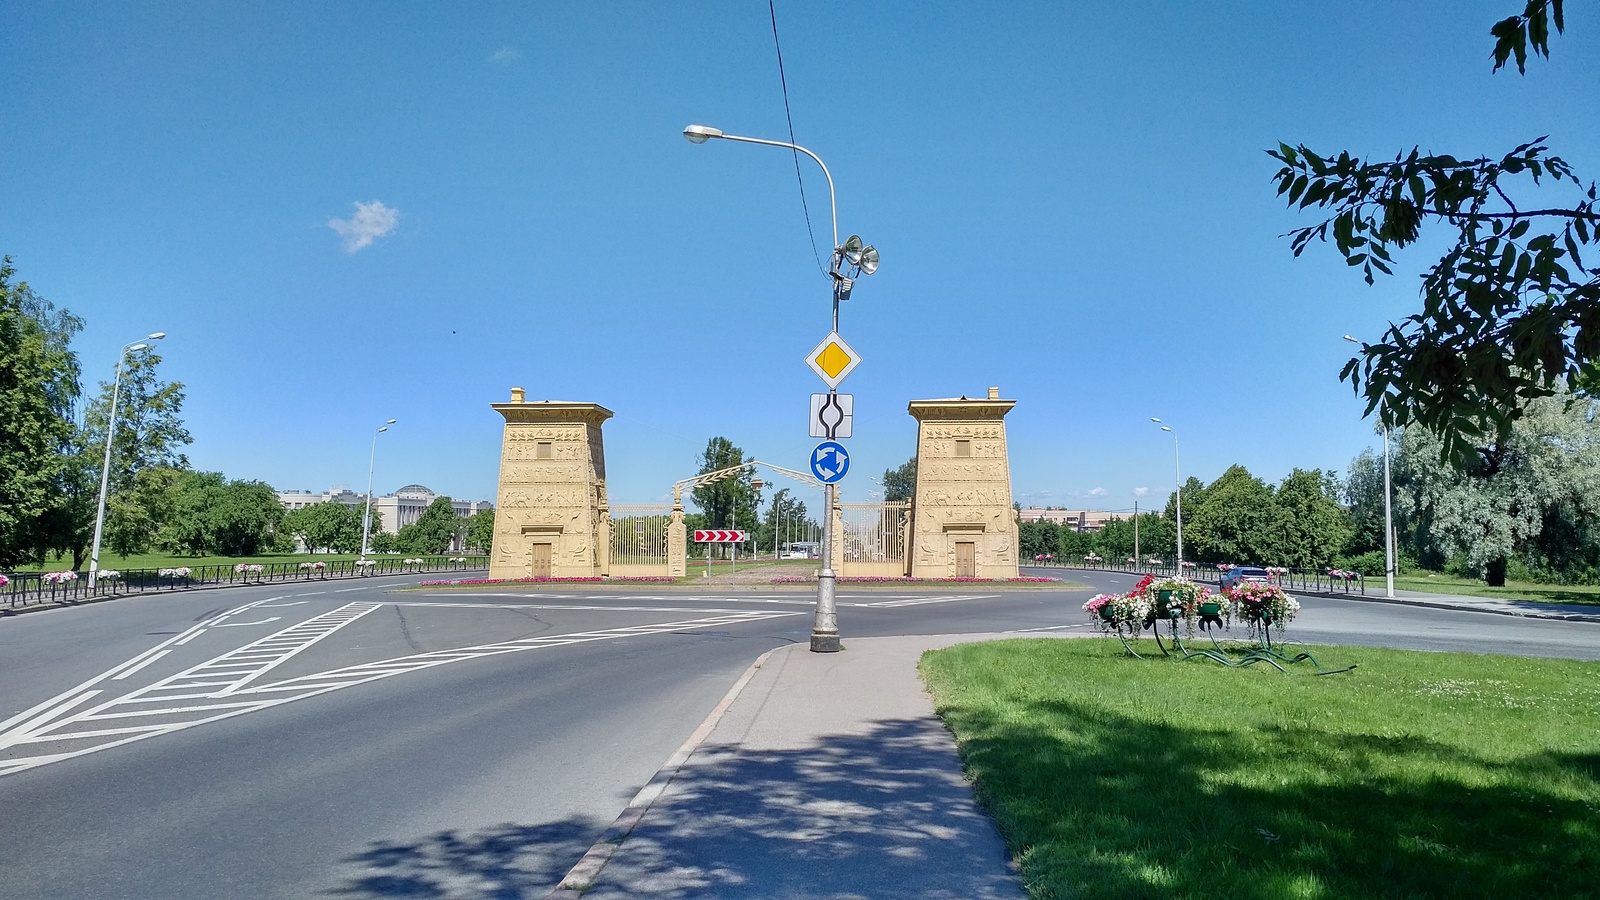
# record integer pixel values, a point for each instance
(347, 740)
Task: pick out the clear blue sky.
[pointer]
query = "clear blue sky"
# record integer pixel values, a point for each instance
(1071, 201)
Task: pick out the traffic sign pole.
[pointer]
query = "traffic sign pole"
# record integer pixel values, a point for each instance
(825, 627)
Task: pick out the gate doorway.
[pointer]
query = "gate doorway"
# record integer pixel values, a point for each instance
(966, 557)
(541, 561)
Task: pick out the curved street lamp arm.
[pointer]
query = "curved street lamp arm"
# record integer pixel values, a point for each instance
(832, 202)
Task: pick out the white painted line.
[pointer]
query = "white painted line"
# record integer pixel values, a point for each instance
(126, 672)
(93, 717)
(282, 605)
(99, 732)
(238, 624)
(348, 590)
(191, 637)
(312, 594)
(26, 727)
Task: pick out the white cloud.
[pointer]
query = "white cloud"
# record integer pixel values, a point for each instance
(370, 222)
(505, 56)
(1098, 492)
(1141, 492)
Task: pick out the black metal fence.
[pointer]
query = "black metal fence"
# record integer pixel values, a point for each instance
(32, 588)
(1320, 581)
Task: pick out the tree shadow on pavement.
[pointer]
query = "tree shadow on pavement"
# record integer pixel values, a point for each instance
(884, 813)
(507, 862)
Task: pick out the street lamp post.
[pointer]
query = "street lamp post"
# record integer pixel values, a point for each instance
(825, 626)
(105, 468)
(1388, 514)
(366, 517)
(1177, 495)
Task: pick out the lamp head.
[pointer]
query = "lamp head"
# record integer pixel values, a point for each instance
(157, 336)
(383, 429)
(390, 422)
(137, 347)
(869, 260)
(1351, 339)
(851, 250)
(1155, 420)
(1165, 428)
(699, 134)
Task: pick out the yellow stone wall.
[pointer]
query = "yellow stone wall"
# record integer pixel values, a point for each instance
(552, 488)
(963, 490)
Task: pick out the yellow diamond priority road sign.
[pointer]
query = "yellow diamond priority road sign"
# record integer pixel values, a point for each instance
(833, 360)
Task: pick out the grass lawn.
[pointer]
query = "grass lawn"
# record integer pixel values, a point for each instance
(165, 560)
(1514, 590)
(1416, 775)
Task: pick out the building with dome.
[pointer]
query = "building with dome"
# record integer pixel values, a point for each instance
(395, 511)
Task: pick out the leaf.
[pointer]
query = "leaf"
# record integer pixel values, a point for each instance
(1520, 229)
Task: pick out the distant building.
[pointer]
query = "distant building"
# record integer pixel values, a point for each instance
(396, 510)
(1076, 519)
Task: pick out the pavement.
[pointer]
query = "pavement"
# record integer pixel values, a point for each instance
(819, 775)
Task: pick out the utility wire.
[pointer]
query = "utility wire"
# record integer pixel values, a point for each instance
(784, 82)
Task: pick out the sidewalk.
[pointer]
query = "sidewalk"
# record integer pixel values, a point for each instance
(1570, 612)
(827, 775)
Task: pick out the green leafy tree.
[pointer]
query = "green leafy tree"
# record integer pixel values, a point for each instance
(731, 502)
(211, 515)
(899, 484)
(434, 531)
(328, 526)
(38, 384)
(480, 530)
(1538, 489)
(1509, 312)
(1313, 526)
(1038, 538)
(1363, 496)
(1236, 522)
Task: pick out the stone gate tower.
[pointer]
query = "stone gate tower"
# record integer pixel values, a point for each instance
(962, 522)
(550, 507)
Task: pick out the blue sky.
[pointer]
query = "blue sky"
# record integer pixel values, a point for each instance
(1071, 201)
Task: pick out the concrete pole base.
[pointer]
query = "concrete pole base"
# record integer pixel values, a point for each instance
(825, 643)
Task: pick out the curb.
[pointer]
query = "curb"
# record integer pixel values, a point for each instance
(582, 876)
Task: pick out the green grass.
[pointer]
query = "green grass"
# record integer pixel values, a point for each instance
(1514, 590)
(1416, 775)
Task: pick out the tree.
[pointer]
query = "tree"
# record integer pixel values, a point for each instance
(900, 484)
(480, 530)
(434, 531)
(731, 502)
(1363, 496)
(1038, 538)
(211, 515)
(328, 526)
(1236, 522)
(1539, 489)
(1508, 312)
(1313, 527)
(38, 382)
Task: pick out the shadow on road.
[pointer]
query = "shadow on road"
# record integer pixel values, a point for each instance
(507, 861)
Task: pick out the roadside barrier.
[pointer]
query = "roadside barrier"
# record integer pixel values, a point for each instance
(22, 589)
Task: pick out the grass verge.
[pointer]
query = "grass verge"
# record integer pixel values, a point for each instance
(1417, 775)
(1583, 594)
(168, 560)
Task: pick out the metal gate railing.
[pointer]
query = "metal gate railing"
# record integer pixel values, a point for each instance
(639, 535)
(875, 537)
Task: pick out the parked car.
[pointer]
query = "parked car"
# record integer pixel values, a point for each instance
(1233, 576)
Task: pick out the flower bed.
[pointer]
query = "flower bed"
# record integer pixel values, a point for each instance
(574, 579)
(59, 577)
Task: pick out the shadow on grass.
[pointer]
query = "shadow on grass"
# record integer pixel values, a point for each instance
(1114, 806)
(505, 862)
(879, 814)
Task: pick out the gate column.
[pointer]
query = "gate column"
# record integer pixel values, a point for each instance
(961, 513)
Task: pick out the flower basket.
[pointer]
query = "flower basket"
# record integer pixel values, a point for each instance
(1263, 604)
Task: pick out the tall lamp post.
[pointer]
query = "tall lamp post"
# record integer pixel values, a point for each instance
(1388, 514)
(858, 259)
(366, 517)
(105, 468)
(1177, 495)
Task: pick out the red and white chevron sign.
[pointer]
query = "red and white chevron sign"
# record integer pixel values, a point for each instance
(720, 537)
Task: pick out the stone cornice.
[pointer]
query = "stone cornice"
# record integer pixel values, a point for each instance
(547, 412)
(952, 409)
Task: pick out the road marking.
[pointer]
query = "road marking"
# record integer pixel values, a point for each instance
(922, 601)
(191, 637)
(177, 717)
(1047, 628)
(348, 590)
(148, 660)
(282, 605)
(238, 624)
